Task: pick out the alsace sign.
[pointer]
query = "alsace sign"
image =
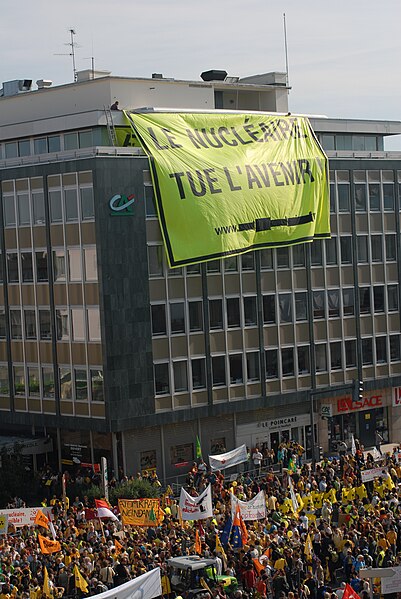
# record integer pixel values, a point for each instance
(121, 205)
(345, 404)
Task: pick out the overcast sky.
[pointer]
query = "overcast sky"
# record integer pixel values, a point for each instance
(344, 56)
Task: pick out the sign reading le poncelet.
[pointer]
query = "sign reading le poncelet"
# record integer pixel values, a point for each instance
(230, 183)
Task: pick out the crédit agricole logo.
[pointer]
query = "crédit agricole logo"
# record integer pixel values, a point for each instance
(121, 205)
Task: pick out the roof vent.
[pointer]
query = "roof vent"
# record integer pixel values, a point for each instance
(18, 86)
(42, 83)
(213, 75)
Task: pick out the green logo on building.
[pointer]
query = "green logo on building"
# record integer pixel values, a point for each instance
(121, 205)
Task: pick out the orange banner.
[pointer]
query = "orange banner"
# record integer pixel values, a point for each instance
(41, 519)
(48, 546)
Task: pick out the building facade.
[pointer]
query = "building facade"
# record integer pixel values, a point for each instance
(108, 352)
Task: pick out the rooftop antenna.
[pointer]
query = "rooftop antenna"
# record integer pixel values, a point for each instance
(92, 59)
(287, 77)
(72, 45)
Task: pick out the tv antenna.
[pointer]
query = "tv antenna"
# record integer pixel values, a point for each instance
(92, 59)
(287, 76)
(72, 43)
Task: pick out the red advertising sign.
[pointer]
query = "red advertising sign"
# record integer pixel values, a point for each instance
(345, 404)
(397, 396)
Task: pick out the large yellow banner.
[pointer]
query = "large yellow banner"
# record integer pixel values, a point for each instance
(140, 512)
(229, 183)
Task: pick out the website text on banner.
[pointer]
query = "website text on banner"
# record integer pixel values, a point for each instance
(227, 460)
(229, 183)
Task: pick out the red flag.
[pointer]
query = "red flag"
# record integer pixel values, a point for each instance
(349, 593)
(238, 521)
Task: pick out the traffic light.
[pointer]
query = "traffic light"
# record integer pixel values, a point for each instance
(360, 390)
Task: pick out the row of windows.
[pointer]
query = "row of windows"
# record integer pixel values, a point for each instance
(73, 265)
(66, 205)
(372, 197)
(55, 143)
(33, 381)
(186, 375)
(77, 324)
(369, 143)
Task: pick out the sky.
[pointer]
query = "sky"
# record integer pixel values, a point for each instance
(344, 56)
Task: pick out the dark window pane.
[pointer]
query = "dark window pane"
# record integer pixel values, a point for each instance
(24, 147)
(378, 298)
(219, 371)
(9, 211)
(252, 366)
(30, 324)
(54, 143)
(4, 382)
(320, 358)
(40, 145)
(198, 373)
(269, 309)
(343, 197)
(285, 307)
(19, 380)
(62, 325)
(301, 306)
(283, 257)
(376, 248)
(12, 268)
(33, 381)
(364, 300)
(162, 384)
(87, 203)
(16, 324)
(24, 217)
(3, 328)
(362, 248)
(56, 214)
(346, 250)
(374, 197)
(27, 267)
(216, 313)
(381, 350)
(335, 356)
(65, 383)
(360, 197)
(350, 353)
(81, 385)
(97, 386)
(38, 204)
(287, 361)
(333, 301)
(388, 196)
(41, 267)
(316, 252)
(331, 251)
(44, 325)
(177, 318)
(367, 356)
(70, 204)
(159, 319)
(59, 265)
(395, 348)
(319, 307)
(213, 266)
(266, 259)
(298, 255)
(391, 248)
(303, 359)
(348, 302)
(195, 316)
(392, 298)
(180, 376)
(271, 364)
(236, 374)
(48, 381)
(230, 264)
(233, 315)
(250, 313)
(248, 261)
(150, 201)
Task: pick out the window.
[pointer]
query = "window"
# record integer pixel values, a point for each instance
(319, 308)
(180, 454)
(90, 264)
(198, 373)
(374, 197)
(391, 247)
(301, 306)
(392, 298)
(9, 211)
(320, 357)
(327, 141)
(336, 362)
(271, 364)
(177, 319)
(180, 376)
(362, 249)
(287, 361)
(376, 248)
(283, 257)
(38, 207)
(24, 217)
(70, 205)
(33, 381)
(45, 332)
(388, 196)
(78, 324)
(24, 147)
(70, 141)
(332, 197)
(74, 264)
(27, 267)
(4, 382)
(367, 355)
(11, 149)
(333, 301)
(193, 269)
(30, 324)
(219, 371)
(348, 301)
(40, 145)
(346, 250)
(56, 212)
(331, 251)
(19, 380)
(213, 266)
(298, 255)
(248, 261)
(62, 326)
(269, 309)
(81, 385)
(343, 197)
(97, 386)
(85, 139)
(250, 313)
(54, 143)
(350, 353)
(381, 350)
(175, 272)
(155, 260)
(65, 383)
(94, 324)
(195, 316)
(378, 298)
(216, 314)
(162, 383)
(364, 300)
(3, 328)
(285, 307)
(316, 252)
(360, 197)
(303, 359)
(12, 268)
(233, 315)
(87, 203)
(230, 264)
(48, 381)
(236, 374)
(266, 259)
(41, 266)
(252, 366)
(58, 265)
(395, 348)
(159, 319)
(150, 201)
(16, 325)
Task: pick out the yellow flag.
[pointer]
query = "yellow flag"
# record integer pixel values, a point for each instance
(198, 544)
(80, 581)
(308, 550)
(118, 546)
(46, 585)
(41, 519)
(219, 547)
(204, 584)
(48, 546)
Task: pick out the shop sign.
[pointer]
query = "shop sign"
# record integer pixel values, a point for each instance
(345, 404)
(326, 411)
(397, 397)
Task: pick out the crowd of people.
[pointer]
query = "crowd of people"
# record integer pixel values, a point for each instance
(322, 526)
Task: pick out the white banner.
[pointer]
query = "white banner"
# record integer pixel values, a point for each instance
(196, 508)
(145, 586)
(391, 584)
(373, 473)
(255, 509)
(231, 458)
(25, 516)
